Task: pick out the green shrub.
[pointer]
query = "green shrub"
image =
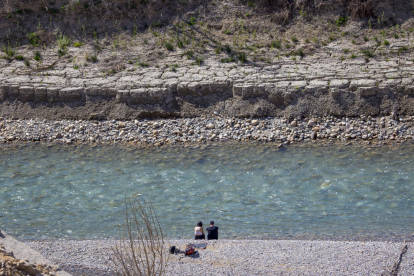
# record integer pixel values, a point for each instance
(276, 44)
(27, 62)
(341, 21)
(242, 57)
(346, 51)
(8, 51)
(366, 38)
(227, 32)
(227, 48)
(93, 58)
(386, 43)
(19, 57)
(180, 44)
(77, 44)
(33, 39)
(143, 64)
(396, 36)
(229, 59)
(61, 52)
(199, 60)
(294, 39)
(169, 46)
(402, 49)
(189, 54)
(368, 53)
(192, 21)
(63, 41)
(300, 53)
(174, 67)
(37, 56)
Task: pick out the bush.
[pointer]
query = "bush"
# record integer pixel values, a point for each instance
(341, 21)
(242, 57)
(189, 54)
(300, 53)
(19, 57)
(37, 56)
(77, 44)
(276, 44)
(386, 43)
(94, 58)
(141, 247)
(227, 48)
(61, 52)
(199, 60)
(169, 46)
(294, 39)
(33, 39)
(229, 59)
(192, 21)
(368, 53)
(8, 51)
(63, 41)
(402, 49)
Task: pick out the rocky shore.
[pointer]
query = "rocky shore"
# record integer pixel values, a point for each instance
(17, 259)
(215, 128)
(245, 257)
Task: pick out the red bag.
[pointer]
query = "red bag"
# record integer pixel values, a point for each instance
(190, 249)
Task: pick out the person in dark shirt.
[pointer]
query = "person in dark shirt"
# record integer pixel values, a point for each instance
(212, 231)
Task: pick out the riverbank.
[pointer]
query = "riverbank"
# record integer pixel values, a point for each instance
(17, 259)
(245, 257)
(214, 128)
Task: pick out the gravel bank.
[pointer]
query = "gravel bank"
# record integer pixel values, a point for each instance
(208, 129)
(245, 257)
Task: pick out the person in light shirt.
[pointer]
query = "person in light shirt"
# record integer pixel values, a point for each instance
(199, 233)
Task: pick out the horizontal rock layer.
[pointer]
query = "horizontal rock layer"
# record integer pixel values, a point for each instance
(290, 89)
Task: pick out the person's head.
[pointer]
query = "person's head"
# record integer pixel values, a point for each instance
(199, 224)
(212, 222)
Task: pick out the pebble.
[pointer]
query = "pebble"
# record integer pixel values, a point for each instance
(207, 129)
(242, 257)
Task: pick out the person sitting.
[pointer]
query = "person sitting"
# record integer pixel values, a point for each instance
(199, 233)
(212, 231)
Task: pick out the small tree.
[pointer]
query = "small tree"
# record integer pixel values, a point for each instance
(141, 249)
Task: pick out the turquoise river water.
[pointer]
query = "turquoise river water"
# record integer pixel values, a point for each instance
(250, 190)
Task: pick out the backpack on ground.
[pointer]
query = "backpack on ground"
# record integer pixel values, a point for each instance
(190, 249)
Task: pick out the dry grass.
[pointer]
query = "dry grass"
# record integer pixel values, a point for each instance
(141, 250)
(6, 6)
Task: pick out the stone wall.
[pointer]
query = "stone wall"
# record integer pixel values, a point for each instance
(315, 87)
